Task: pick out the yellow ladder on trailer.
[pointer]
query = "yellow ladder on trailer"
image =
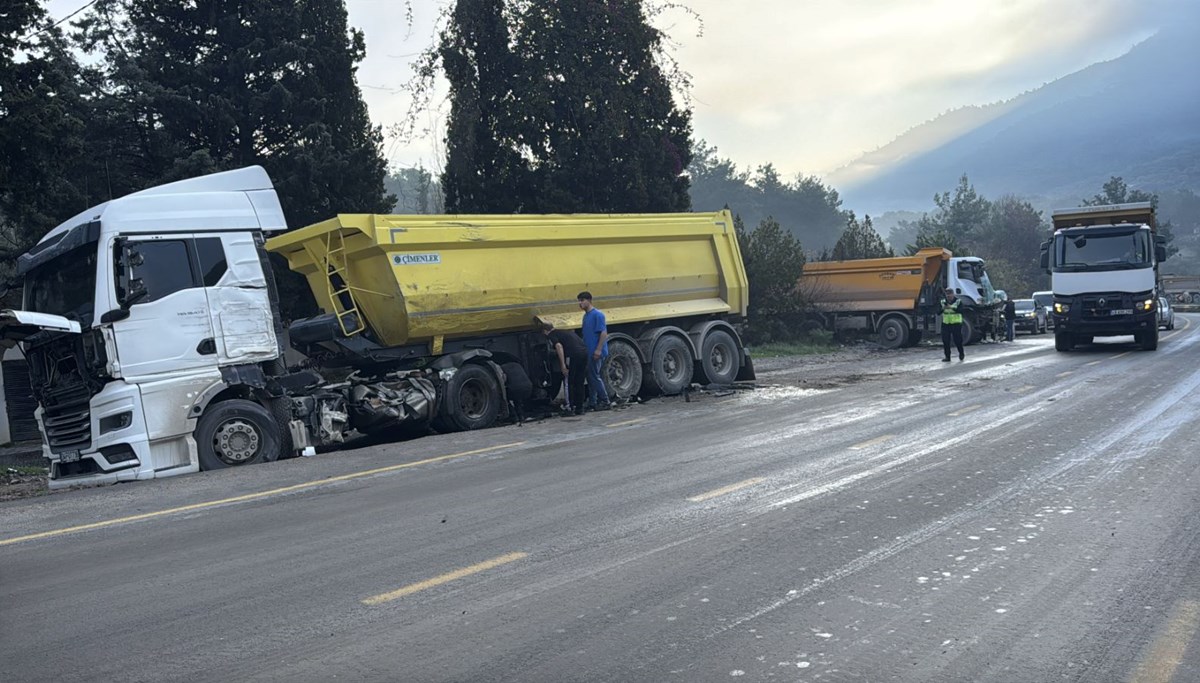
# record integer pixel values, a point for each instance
(337, 282)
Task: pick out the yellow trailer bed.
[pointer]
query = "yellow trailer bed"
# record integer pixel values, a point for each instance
(421, 278)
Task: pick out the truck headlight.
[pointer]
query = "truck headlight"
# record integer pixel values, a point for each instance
(1062, 308)
(1148, 305)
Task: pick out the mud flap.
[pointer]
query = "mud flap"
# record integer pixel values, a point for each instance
(746, 372)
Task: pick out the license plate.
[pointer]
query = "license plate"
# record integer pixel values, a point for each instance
(68, 456)
(1122, 311)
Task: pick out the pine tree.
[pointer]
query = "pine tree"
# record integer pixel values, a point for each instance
(582, 114)
(212, 85)
(42, 125)
(859, 241)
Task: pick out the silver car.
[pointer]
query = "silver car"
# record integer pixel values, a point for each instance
(1046, 301)
(1166, 314)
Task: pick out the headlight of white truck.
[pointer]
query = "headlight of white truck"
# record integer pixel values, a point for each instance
(1062, 308)
(1148, 305)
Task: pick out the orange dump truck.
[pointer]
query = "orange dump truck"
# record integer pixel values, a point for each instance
(897, 298)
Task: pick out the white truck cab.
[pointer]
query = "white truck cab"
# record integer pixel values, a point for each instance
(139, 312)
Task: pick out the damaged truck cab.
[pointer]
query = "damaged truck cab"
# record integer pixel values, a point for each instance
(140, 313)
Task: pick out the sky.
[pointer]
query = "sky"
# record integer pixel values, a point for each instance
(807, 85)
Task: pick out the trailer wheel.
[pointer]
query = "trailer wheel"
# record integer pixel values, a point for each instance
(235, 433)
(671, 366)
(893, 333)
(472, 399)
(719, 358)
(623, 371)
(1063, 341)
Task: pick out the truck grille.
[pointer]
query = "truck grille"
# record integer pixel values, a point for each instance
(69, 424)
(1102, 307)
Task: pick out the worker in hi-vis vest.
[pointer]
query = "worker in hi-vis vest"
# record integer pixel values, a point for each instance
(952, 325)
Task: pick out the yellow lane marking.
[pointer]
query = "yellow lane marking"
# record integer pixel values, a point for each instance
(251, 496)
(626, 423)
(872, 442)
(1021, 390)
(726, 489)
(964, 411)
(444, 578)
(1064, 374)
(1159, 664)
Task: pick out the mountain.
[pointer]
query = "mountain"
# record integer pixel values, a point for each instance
(1137, 116)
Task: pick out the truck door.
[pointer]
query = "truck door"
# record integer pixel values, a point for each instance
(238, 297)
(168, 328)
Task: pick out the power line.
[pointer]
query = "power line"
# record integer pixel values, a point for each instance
(60, 21)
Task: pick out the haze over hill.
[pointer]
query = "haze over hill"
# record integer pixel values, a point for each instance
(1135, 117)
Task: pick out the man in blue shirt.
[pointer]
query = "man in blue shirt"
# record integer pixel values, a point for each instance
(595, 338)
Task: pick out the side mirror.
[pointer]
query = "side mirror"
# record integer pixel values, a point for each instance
(130, 290)
(1046, 256)
(1160, 253)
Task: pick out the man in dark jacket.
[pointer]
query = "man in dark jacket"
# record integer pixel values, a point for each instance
(518, 388)
(1010, 318)
(571, 357)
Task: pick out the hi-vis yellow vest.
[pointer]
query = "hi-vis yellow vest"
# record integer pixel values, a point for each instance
(950, 313)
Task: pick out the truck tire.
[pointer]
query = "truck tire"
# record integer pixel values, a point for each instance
(719, 358)
(234, 433)
(623, 371)
(1149, 340)
(671, 366)
(893, 333)
(281, 412)
(1063, 341)
(472, 400)
(968, 331)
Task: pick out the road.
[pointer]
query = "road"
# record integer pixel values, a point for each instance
(1021, 516)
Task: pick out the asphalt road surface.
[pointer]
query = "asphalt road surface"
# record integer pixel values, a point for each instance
(1022, 516)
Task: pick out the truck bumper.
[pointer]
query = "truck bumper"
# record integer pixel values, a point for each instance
(1115, 326)
(120, 448)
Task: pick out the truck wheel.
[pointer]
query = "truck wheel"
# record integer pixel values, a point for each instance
(968, 331)
(893, 333)
(1149, 340)
(472, 399)
(234, 433)
(671, 366)
(623, 371)
(718, 358)
(281, 412)
(1062, 341)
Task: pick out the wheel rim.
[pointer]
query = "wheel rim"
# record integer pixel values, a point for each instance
(891, 331)
(474, 399)
(620, 374)
(672, 366)
(236, 441)
(720, 358)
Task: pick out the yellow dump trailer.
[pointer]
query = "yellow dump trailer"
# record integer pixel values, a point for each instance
(420, 278)
(897, 297)
(417, 288)
(873, 284)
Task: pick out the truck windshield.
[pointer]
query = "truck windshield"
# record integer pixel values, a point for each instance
(64, 286)
(1104, 251)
